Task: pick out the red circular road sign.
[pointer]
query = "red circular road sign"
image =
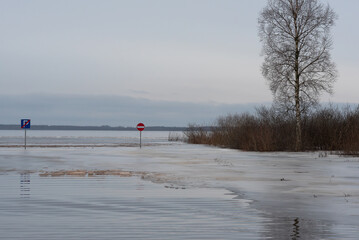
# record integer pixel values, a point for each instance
(140, 127)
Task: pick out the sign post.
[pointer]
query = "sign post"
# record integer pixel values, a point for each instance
(25, 124)
(140, 127)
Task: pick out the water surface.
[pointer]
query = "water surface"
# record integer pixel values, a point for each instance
(174, 191)
(111, 207)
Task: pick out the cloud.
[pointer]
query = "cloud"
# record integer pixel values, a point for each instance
(110, 110)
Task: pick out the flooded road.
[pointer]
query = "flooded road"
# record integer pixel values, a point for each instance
(112, 207)
(175, 191)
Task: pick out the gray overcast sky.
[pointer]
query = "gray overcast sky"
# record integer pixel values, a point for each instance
(189, 51)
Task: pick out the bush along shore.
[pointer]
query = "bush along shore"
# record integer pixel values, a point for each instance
(325, 129)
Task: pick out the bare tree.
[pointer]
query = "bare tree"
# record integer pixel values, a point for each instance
(296, 43)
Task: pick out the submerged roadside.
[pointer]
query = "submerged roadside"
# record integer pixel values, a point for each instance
(313, 191)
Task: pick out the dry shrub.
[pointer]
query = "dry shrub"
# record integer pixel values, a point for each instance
(350, 132)
(197, 134)
(322, 129)
(328, 128)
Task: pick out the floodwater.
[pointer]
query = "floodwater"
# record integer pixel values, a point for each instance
(169, 190)
(11, 138)
(119, 208)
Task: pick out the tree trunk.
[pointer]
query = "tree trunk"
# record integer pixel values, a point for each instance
(298, 117)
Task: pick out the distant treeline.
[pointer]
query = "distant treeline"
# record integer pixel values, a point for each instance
(327, 129)
(94, 128)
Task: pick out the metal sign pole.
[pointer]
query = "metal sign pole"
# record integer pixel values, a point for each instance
(25, 138)
(25, 123)
(140, 127)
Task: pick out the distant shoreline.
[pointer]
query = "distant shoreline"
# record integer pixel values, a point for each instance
(90, 128)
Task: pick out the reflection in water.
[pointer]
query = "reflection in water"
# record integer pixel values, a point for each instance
(113, 207)
(25, 185)
(140, 187)
(295, 228)
(295, 234)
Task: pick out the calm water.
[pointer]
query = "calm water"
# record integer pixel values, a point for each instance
(12, 137)
(204, 193)
(110, 207)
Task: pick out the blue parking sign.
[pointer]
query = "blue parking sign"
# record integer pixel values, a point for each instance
(25, 123)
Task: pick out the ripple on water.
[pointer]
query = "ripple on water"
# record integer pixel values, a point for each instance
(114, 207)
